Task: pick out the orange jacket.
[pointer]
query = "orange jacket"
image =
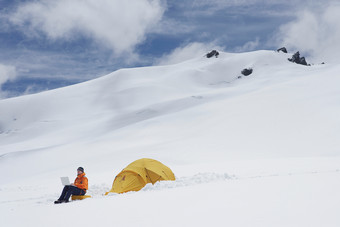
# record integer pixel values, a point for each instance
(81, 182)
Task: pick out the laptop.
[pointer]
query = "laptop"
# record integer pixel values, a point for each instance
(65, 181)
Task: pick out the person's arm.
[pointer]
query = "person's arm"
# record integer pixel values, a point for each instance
(83, 184)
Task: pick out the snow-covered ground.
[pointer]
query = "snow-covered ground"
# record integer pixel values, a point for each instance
(261, 150)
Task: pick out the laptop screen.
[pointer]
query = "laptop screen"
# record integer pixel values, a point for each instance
(65, 181)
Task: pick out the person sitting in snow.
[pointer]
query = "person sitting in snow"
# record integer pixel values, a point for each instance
(78, 188)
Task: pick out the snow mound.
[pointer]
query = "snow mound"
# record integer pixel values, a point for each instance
(200, 178)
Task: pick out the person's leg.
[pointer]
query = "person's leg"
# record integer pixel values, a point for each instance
(65, 190)
(72, 191)
(79, 192)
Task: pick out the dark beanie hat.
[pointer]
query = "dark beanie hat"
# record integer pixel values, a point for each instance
(81, 169)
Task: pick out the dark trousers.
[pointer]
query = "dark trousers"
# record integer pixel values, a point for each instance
(70, 190)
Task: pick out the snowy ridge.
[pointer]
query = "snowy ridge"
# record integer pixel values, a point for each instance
(264, 146)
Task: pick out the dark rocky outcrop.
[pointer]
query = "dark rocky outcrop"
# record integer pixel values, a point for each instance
(247, 72)
(297, 59)
(212, 53)
(283, 49)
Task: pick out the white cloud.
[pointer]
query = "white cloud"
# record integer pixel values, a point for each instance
(314, 32)
(248, 46)
(187, 52)
(7, 73)
(115, 24)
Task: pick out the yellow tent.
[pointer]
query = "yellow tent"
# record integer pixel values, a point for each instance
(136, 175)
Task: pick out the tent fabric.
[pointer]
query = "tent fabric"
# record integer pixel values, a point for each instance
(139, 173)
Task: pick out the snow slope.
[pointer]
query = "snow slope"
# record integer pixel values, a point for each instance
(261, 150)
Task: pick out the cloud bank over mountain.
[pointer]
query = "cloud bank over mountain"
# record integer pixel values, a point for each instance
(315, 31)
(7, 73)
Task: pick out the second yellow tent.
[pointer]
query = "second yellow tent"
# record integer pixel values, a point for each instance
(136, 175)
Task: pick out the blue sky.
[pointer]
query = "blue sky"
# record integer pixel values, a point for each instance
(49, 44)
